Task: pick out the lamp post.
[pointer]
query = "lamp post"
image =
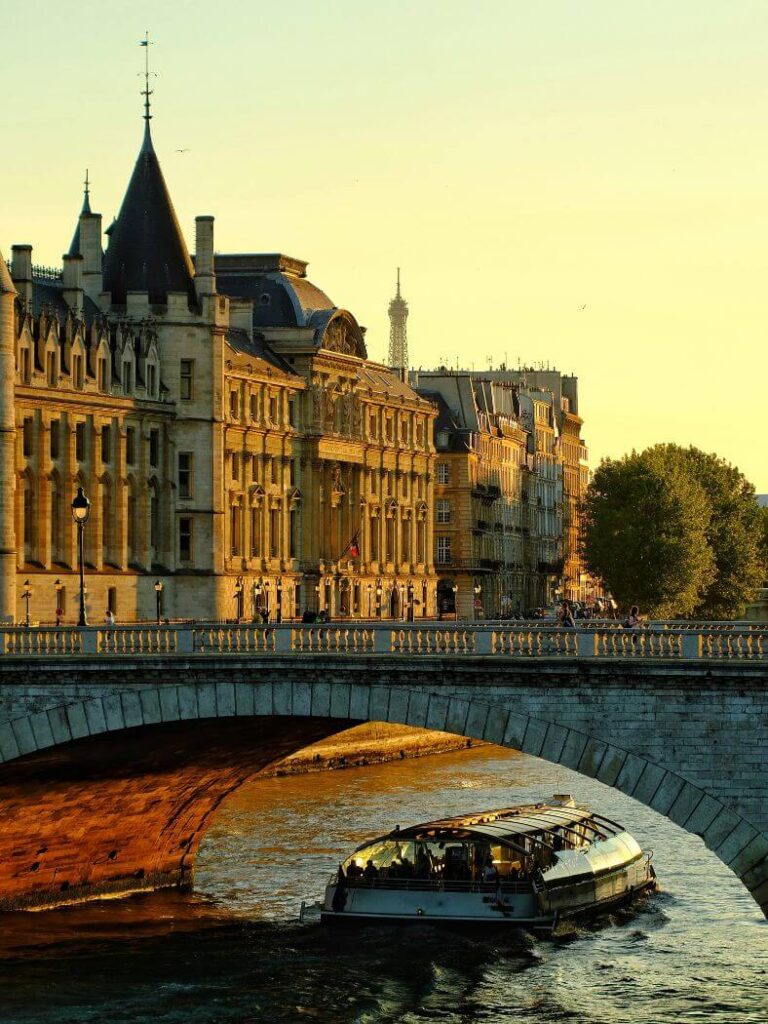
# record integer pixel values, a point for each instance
(279, 588)
(256, 600)
(26, 594)
(159, 599)
(81, 509)
(378, 598)
(266, 598)
(455, 590)
(410, 602)
(369, 589)
(478, 590)
(239, 597)
(59, 587)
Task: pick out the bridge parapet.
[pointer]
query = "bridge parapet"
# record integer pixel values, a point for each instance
(515, 641)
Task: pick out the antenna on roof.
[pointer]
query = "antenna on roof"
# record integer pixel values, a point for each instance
(146, 91)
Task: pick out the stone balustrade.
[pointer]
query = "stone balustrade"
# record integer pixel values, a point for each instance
(507, 640)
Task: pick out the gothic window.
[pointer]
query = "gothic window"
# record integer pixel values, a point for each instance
(127, 377)
(55, 523)
(25, 368)
(235, 529)
(106, 521)
(130, 445)
(154, 448)
(185, 539)
(28, 509)
(186, 379)
(106, 443)
(80, 441)
(154, 523)
(27, 441)
(151, 380)
(131, 525)
(274, 532)
(186, 460)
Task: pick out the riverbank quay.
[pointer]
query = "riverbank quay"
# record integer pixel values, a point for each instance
(369, 744)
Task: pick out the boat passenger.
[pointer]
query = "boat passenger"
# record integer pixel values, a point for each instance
(370, 871)
(490, 872)
(422, 863)
(354, 870)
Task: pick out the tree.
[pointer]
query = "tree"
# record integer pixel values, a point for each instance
(733, 533)
(645, 533)
(764, 543)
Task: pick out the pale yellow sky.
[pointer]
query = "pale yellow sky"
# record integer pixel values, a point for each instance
(519, 161)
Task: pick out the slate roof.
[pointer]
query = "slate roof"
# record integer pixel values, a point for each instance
(50, 293)
(74, 248)
(6, 282)
(238, 340)
(147, 252)
(282, 296)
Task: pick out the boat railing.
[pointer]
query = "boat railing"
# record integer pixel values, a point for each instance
(438, 885)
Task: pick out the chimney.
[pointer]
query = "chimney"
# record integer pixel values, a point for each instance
(90, 247)
(22, 272)
(73, 283)
(205, 279)
(241, 315)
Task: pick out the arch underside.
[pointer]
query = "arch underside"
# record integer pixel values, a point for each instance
(114, 794)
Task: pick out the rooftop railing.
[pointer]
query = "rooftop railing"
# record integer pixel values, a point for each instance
(508, 641)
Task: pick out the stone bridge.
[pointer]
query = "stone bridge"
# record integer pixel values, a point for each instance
(117, 746)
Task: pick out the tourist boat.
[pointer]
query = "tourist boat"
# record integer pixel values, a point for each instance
(525, 866)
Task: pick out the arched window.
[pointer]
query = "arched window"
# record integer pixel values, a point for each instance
(106, 521)
(154, 522)
(131, 524)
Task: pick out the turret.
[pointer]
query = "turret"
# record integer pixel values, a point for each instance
(7, 446)
(205, 279)
(22, 272)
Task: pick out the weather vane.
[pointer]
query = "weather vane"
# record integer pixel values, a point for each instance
(146, 91)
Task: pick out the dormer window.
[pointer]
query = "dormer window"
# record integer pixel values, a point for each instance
(151, 380)
(51, 369)
(103, 374)
(78, 378)
(127, 377)
(25, 367)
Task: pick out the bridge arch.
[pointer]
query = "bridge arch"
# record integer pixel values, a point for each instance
(235, 729)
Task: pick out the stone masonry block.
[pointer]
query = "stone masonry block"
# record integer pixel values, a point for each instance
(760, 894)
(533, 739)
(611, 765)
(378, 707)
(321, 700)
(592, 757)
(150, 707)
(476, 720)
(302, 697)
(94, 715)
(742, 836)
(78, 723)
(113, 712)
(24, 735)
(60, 723)
(9, 748)
(188, 702)
(515, 730)
(131, 709)
(456, 719)
(359, 699)
(648, 783)
(398, 706)
(686, 802)
(629, 776)
(340, 695)
(667, 793)
(554, 742)
(41, 730)
(750, 856)
(496, 725)
(244, 699)
(715, 834)
(206, 700)
(169, 703)
(262, 698)
(225, 700)
(707, 810)
(573, 748)
(755, 876)
(437, 712)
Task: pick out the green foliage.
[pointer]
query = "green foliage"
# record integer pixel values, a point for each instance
(645, 534)
(764, 543)
(677, 531)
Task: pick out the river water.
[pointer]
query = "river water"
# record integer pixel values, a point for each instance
(697, 951)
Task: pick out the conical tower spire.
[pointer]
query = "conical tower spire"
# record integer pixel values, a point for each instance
(398, 330)
(74, 248)
(147, 252)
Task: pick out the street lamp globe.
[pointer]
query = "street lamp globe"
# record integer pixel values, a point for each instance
(81, 507)
(158, 586)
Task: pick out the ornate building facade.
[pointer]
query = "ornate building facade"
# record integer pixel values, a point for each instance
(240, 452)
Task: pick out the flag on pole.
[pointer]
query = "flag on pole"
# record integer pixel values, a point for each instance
(353, 548)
